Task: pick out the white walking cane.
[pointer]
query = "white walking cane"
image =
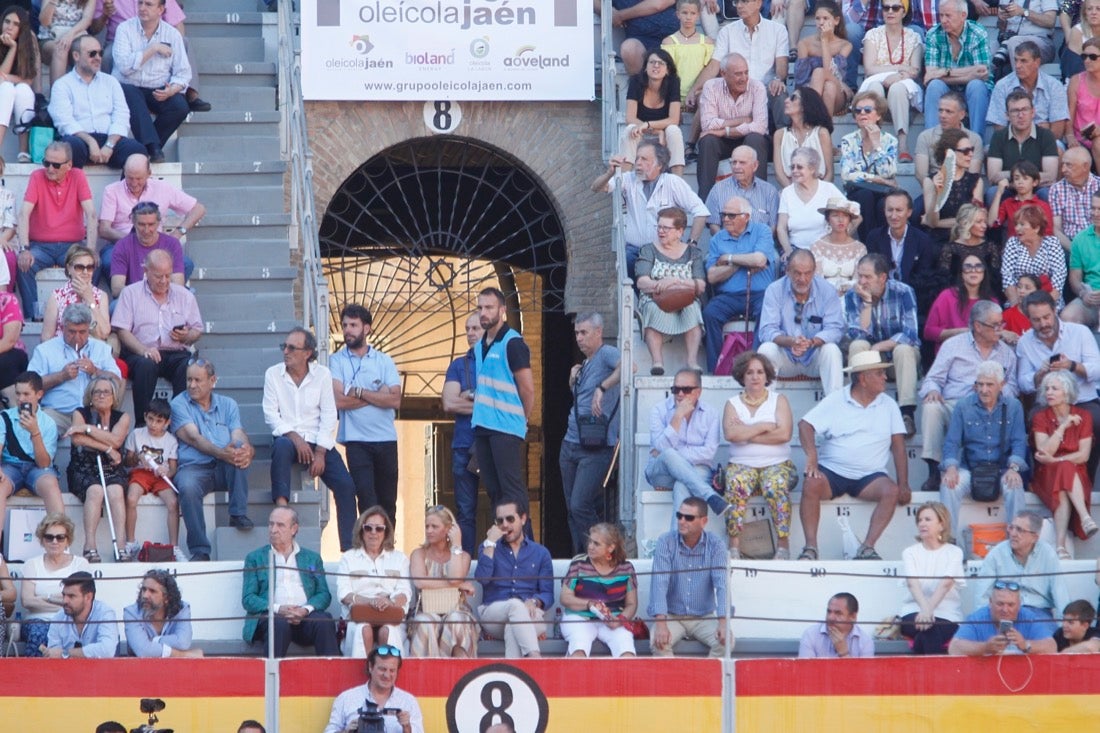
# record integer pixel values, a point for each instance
(107, 502)
(153, 467)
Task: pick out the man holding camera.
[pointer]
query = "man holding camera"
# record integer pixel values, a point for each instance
(379, 706)
(1004, 622)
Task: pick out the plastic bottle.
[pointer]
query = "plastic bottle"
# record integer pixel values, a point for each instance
(557, 623)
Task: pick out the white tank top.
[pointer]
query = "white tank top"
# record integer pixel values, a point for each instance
(758, 455)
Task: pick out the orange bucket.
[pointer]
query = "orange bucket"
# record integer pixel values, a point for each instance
(984, 536)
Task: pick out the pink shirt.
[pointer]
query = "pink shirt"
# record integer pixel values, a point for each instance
(151, 322)
(57, 215)
(716, 105)
(118, 202)
(126, 9)
(10, 312)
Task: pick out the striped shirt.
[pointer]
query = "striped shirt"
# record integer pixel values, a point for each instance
(1073, 204)
(150, 321)
(688, 581)
(157, 71)
(588, 583)
(893, 317)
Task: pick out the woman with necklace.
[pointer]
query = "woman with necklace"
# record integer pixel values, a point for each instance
(869, 161)
(440, 564)
(837, 253)
(1034, 250)
(811, 127)
(892, 56)
(599, 596)
(758, 425)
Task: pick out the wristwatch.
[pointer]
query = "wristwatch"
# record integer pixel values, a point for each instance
(181, 230)
(87, 429)
(488, 544)
(1027, 14)
(109, 145)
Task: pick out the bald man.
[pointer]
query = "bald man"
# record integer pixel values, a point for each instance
(1071, 196)
(762, 196)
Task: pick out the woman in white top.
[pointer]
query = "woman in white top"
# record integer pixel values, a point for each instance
(811, 127)
(892, 56)
(375, 574)
(758, 424)
(933, 574)
(799, 224)
(42, 575)
(838, 253)
(441, 564)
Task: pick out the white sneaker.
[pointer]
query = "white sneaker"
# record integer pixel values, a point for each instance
(179, 554)
(132, 549)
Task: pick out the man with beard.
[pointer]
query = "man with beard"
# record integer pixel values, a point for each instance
(158, 624)
(368, 395)
(84, 627)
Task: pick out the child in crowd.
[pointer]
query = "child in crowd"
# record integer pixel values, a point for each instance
(1025, 180)
(151, 451)
(691, 50)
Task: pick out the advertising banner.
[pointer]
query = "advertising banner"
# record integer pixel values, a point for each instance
(463, 50)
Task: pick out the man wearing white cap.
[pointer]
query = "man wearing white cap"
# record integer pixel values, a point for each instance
(859, 428)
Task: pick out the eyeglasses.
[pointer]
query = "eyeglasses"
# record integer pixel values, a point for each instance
(388, 651)
(102, 393)
(199, 362)
(965, 151)
(862, 110)
(794, 97)
(1019, 110)
(893, 8)
(54, 164)
(47, 537)
(657, 62)
(686, 517)
(1017, 528)
(662, 228)
(994, 326)
(677, 389)
(291, 347)
(973, 267)
(95, 53)
(1006, 585)
(83, 268)
(505, 520)
(372, 528)
(733, 214)
(1090, 56)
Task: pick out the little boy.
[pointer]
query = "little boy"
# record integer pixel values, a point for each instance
(152, 451)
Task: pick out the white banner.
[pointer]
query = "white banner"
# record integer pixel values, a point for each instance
(421, 50)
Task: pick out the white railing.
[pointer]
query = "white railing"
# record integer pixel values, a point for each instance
(303, 219)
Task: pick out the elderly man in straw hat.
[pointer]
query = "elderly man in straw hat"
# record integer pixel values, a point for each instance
(859, 427)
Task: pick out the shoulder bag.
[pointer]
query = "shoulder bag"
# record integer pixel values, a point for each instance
(985, 477)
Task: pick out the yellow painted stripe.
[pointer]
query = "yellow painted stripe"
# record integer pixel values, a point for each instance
(184, 714)
(919, 714)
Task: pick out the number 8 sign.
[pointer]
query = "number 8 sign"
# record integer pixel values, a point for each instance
(497, 693)
(442, 116)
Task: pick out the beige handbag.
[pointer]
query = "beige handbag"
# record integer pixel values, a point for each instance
(440, 601)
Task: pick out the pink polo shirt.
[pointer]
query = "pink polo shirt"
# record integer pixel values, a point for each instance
(57, 215)
(126, 9)
(118, 202)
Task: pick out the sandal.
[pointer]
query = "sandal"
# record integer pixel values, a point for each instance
(783, 553)
(24, 158)
(867, 553)
(92, 556)
(808, 553)
(1088, 526)
(1063, 553)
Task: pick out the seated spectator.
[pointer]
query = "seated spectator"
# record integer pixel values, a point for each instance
(1032, 564)
(89, 111)
(1032, 25)
(380, 690)
(688, 586)
(1078, 635)
(974, 437)
(1075, 37)
(740, 267)
(152, 455)
(300, 603)
(869, 160)
(98, 431)
(732, 112)
(892, 60)
(801, 324)
(943, 198)
(1084, 102)
(933, 575)
(69, 363)
(762, 195)
(691, 50)
(880, 315)
(799, 224)
(956, 57)
(950, 313)
(1063, 440)
(8, 246)
(129, 253)
(840, 635)
(758, 425)
(13, 354)
(986, 632)
(1016, 320)
(1025, 181)
(156, 322)
(84, 627)
(683, 438)
(823, 58)
(38, 590)
(1084, 271)
(905, 246)
(373, 586)
(860, 428)
(1033, 250)
(158, 624)
(1048, 94)
(950, 112)
(439, 566)
(17, 90)
(811, 126)
(968, 238)
(599, 596)
(837, 253)
(1021, 140)
(30, 444)
(670, 265)
(152, 65)
(80, 265)
(61, 23)
(1071, 196)
(517, 581)
(860, 18)
(653, 110)
(646, 24)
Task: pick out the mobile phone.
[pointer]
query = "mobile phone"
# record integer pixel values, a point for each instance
(1054, 358)
(24, 406)
(1088, 130)
(1004, 627)
(180, 327)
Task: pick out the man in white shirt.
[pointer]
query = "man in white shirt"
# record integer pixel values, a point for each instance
(300, 409)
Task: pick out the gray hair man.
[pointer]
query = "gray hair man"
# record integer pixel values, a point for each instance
(985, 631)
(967, 72)
(733, 111)
(987, 426)
(1030, 563)
(763, 196)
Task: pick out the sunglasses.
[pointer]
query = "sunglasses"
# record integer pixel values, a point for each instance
(83, 268)
(893, 8)
(676, 389)
(505, 520)
(862, 110)
(1090, 56)
(54, 537)
(291, 348)
(388, 651)
(965, 151)
(686, 517)
(54, 165)
(971, 267)
(372, 528)
(733, 214)
(95, 53)
(1006, 585)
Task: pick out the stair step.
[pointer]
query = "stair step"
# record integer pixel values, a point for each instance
(264, 271)
(226, 49)
(239, 97)
(205, 147)
(227, 23)
(277, 305)
(265, 219)
(244, 249)
(234, 123)
(241, 198)
(221, 6)
(239, 73)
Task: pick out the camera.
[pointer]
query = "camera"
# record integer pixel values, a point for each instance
(372, 718)
(151, 706)
(999, 62)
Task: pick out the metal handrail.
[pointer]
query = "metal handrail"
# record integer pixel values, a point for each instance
(296, 151)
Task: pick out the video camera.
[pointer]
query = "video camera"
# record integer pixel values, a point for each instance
(371, 717)
(151, 706)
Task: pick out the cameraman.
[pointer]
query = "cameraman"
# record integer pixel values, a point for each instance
(398, 709)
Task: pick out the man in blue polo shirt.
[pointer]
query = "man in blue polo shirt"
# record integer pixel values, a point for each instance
(368, 395)
(982, 634)
(458, 400)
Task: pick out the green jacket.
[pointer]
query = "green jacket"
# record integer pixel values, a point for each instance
(254, 589)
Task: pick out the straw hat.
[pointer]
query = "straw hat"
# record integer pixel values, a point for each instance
(838, 203)
(865, 361)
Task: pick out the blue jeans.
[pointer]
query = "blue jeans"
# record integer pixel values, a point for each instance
(466, 486)
(582, 474)
(46, 254)
(686, 479)
(195, 481)
(977, 100)
(335, 476)
(719, 311)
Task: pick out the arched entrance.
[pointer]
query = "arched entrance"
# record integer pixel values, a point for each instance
(414, 233)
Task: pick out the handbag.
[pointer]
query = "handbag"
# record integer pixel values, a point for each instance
(637, 628)
(440, 601)
(591, 429)
(985, 477)
(155, 552)
(736, 343)
(364, 613)
(756, 540)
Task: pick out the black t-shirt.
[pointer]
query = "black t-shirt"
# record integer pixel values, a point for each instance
(636, 91)
(519, 354)
(1060, 638)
